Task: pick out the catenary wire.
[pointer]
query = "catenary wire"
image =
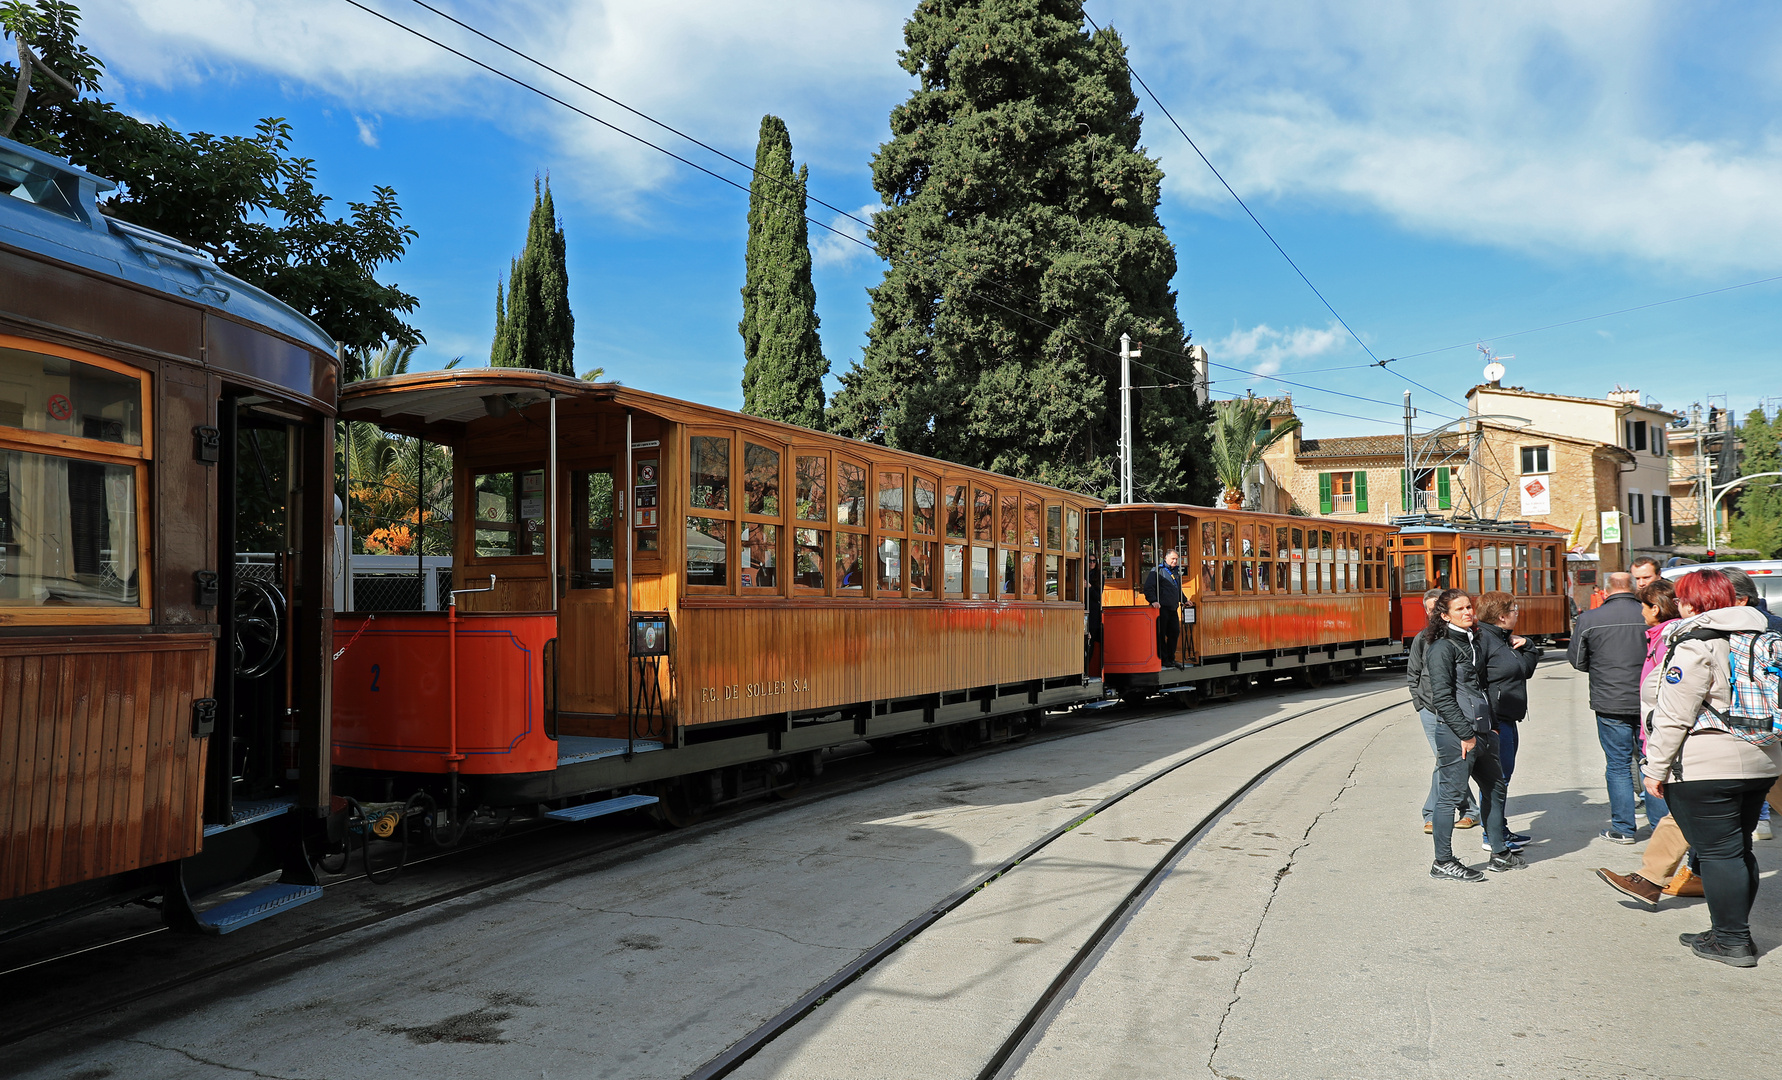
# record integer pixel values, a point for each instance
(742, 187)
(1592, 318)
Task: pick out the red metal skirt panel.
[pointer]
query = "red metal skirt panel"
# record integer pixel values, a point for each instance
(392, 696)
(1129, 640)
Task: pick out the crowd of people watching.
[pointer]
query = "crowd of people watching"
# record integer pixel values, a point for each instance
(1675, 685)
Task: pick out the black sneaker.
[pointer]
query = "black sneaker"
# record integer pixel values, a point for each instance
(1453, 870)
(1507, 860)
(1614, 837)
(1517, 838)
(1709, 947)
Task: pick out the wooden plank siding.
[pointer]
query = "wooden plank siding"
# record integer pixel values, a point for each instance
(99, 772)
(738, 659)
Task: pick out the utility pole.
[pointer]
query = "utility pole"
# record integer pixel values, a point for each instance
(1410, 496)
(1702, 478)
(1127, 352)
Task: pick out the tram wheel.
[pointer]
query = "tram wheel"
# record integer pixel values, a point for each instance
(674, 804)
(1315, 676)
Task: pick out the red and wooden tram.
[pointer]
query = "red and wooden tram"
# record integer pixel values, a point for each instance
(658, 598)
(1525, 560)
(163, 701)
(1264, 595)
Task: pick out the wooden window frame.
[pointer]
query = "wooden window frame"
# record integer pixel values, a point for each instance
(879, 533)
(865, 590)
(823, 524)
(732, 514)
(788, 495)
(138, 459)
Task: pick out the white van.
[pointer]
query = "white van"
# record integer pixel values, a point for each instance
(1765, 573)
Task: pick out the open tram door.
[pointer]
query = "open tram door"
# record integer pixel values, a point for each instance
(265, 784)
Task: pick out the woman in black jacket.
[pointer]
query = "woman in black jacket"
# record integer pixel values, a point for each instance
(1466, 745)
(1510, 661)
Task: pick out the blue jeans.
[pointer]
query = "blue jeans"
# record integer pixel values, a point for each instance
(1508, 739)
(1454, 768)
(1619, 741)
(1469, 806)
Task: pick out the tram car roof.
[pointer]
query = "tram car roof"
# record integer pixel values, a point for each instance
(54, 212)
(1193, 509)
(443, 406)
(1415, 525)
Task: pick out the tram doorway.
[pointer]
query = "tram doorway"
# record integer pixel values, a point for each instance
(263, 574)
(591, 615)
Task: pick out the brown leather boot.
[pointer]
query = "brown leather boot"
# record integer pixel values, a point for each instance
(1633, 885)
(1684, 883)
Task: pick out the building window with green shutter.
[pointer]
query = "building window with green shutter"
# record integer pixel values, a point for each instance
(1342, 493)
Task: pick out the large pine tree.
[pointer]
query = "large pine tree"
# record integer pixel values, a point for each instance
(533, 325)
(1758, 522)
(1016, 194)
(783, 364)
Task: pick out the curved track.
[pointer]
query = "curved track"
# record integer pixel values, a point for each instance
(789, 1019)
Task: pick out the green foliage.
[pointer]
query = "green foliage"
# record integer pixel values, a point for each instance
(1241, 435)
(533, 325)
(1757, 520)
(242, 198)
(783, 363)
(1014, 186)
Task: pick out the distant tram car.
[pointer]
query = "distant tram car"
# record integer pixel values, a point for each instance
(1513, 557)
(163, 703)
(1265, 595)
(664, 603)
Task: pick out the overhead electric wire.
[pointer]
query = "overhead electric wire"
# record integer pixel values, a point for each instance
(1592, 318)
(742, 187)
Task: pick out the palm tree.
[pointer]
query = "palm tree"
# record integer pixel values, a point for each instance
(391, 359)
(1242, 433)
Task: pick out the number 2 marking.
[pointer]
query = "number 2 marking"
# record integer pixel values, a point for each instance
(374, 674)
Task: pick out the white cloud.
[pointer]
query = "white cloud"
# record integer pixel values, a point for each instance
(1578, 128)
(711, 70)
(367, 130)
(1265, 350)
(828, 249)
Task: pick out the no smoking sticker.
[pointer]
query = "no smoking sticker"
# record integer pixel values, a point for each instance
(60, 408)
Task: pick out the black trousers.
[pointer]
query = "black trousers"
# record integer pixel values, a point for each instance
(1169, 630)
(1717, 817)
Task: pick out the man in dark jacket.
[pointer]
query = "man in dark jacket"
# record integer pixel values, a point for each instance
(1609, 642)
(1163, 587)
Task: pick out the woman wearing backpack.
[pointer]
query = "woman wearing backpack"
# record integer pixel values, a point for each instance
(1714, 780)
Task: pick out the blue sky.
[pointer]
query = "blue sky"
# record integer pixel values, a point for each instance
(1445, 174)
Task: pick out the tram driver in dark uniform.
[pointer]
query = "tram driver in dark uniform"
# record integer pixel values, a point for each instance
(1163, 587)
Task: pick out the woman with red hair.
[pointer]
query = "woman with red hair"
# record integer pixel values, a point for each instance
(1713, 779)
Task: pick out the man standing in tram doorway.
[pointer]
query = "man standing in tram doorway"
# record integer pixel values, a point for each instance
(1163, 587)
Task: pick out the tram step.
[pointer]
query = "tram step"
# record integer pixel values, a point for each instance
(259, 904)
(1100, 703)
(599, 809)
(248, 811)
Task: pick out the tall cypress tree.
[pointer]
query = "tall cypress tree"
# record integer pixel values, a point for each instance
(533, 324)
(1016, 194)
(783, 364)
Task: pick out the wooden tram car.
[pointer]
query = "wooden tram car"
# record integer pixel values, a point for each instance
(163, 706)
(1265, 595)
(663, 600)
(1480, 556)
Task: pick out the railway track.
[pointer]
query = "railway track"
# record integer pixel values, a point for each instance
(737, 1057)
(65, 986)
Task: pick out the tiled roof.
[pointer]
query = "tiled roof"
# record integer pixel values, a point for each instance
(1366, 446)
